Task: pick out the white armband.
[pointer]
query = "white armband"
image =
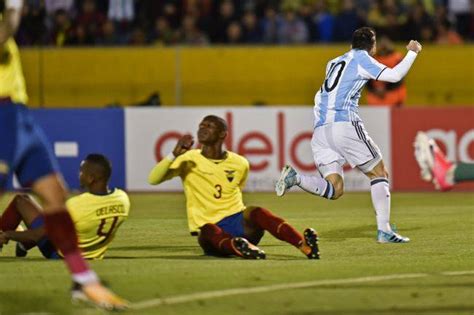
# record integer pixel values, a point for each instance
(14, 4)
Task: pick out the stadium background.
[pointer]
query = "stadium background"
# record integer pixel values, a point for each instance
(187, 57)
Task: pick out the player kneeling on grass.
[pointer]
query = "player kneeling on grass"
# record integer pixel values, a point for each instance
(97, 214)
(213, 180)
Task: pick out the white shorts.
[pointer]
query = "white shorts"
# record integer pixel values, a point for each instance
(338, 143)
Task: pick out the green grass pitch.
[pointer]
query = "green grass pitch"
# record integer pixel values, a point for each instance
(154, 257)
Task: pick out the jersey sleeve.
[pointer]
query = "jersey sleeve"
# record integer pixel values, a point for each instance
(245, 174)
(368, 67)
(167, 169)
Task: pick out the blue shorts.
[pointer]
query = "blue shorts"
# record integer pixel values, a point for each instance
(233, 224)
(24, 148)
(45, 246)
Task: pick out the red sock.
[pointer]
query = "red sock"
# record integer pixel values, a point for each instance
(267, 221)
(219, 240)
(10, 218)
(61, 231)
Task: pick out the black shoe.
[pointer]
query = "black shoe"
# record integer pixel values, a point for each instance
(311, 238)
(20, 250)
(246, 249)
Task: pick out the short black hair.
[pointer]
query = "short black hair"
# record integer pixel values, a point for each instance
(103, 163)
(363, 38)
(219, 121)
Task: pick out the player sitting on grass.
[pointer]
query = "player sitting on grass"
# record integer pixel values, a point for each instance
(97, 214)
(213, 180)
(436, 168)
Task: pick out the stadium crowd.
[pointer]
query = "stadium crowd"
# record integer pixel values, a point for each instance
(204, 22)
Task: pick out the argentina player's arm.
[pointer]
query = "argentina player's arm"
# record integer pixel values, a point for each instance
(11, 19)
(368, 66)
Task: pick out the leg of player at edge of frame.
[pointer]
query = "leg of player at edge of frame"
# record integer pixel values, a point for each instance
(61, 231)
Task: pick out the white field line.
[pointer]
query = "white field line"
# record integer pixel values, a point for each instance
(268, 288)
(178, 299)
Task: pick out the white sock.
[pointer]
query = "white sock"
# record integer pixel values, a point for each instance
(380, 192)
(85, 277)
(315, 185)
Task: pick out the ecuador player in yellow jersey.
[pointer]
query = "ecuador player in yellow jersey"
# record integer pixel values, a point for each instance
(213, 180)
(25, 151)
(97, 214)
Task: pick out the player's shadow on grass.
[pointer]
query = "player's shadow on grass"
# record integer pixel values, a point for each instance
(32, 302)
(361, 231)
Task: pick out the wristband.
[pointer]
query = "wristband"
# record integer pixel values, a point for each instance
(14, 4)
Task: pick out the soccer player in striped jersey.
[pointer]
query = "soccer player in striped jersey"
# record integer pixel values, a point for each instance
(97, 214)
(213, 180)
(24, 151)
(339, 135)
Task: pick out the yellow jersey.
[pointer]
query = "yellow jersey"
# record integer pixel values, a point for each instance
(12, 82)
(213, 188)
(97, 218)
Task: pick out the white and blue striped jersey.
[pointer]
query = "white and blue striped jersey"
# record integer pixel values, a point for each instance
(338, 98)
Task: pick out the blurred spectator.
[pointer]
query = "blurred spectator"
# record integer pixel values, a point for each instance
(384, 93)
(225, 17)
(447, 35)
(32, 30)
(292, 29)
(162, 33)
(347, 21)
(324, 21)
(138, 37)
(306, 13)
(270, 25)
(418, 23)
(234, 34)
(52, 6)
(463, 12)
(191, 35)
(252, 33)
(62, 28)
(89, 21)
(109, 35)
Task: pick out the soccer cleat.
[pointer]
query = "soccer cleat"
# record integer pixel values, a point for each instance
(433, 163)
(423, 155)
(286, 181)
(391, 237)
(98, 295)
(311, 239)
(440, 169)
(20, 250)
(247, 250)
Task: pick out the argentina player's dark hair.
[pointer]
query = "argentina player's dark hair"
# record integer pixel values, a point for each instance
(363, 38)
(103, 163)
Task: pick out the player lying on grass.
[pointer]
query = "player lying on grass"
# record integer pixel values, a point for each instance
(339, 135)
(97, 214)
(436, 168)
(213, 180)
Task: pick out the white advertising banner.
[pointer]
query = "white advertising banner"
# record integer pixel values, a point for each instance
(269, 137)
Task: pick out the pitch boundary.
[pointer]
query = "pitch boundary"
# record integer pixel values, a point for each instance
(185, 298)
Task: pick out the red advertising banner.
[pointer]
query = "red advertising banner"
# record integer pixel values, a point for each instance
(453, 130)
